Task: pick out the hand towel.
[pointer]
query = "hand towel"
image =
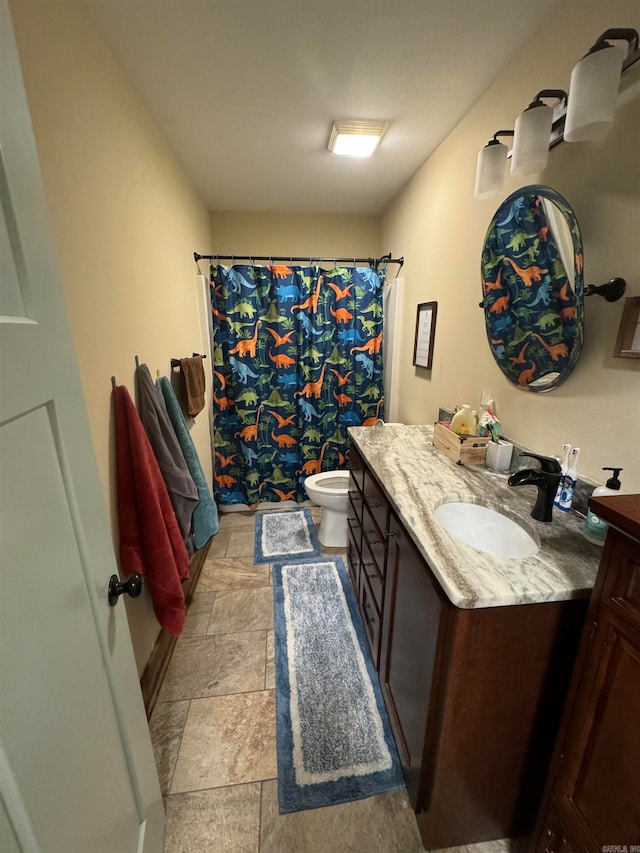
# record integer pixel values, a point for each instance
(182, 490)
(150, 539)
(193, 374)
(205, 515)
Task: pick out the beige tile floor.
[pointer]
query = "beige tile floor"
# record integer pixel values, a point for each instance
(213, 729)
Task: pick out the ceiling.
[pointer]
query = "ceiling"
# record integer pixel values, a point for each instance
(245, 90)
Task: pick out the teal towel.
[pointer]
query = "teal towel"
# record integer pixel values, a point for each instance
(205, 515)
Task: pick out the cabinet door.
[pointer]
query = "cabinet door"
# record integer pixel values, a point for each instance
(411, 627)
(597, 791)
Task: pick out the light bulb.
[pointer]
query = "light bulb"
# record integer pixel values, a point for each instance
(595, 81)
(531, 140)
(490, 170)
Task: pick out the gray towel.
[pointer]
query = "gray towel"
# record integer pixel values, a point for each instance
(205, 515)
(166, 447)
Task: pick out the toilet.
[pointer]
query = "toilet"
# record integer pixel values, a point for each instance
(330, 490)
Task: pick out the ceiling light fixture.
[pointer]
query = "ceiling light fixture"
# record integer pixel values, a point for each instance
(585, 113)
(356, 138)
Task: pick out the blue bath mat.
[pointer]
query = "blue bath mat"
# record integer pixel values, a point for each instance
(334, 741)
(286, 535)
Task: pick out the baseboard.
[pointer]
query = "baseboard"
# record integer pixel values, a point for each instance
(156, 668)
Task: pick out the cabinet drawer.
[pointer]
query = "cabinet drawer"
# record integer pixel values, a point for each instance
(370, 619)
(356, 466)
(354, 562)
(376, 502)
(354, 510)
(374, 577)
(375, 540)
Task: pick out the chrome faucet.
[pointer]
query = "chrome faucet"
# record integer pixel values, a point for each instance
(546, 478)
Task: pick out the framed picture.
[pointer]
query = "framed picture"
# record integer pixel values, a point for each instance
(425, 333)
(628, 343)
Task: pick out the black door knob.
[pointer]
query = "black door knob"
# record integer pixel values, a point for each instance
(132, 586)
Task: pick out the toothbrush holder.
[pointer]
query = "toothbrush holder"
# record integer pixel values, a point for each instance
(499, 456)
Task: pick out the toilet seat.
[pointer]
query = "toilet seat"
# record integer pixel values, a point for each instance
(329, 482)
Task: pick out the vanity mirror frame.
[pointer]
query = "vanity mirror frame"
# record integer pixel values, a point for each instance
(534, 312)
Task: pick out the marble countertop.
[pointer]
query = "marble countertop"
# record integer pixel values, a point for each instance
(416, 477)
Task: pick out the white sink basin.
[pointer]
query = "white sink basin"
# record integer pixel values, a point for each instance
(486, 529)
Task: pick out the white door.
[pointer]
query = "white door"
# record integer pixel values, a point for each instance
(77, 773)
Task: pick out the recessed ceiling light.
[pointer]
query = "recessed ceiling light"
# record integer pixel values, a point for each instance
(356, 138)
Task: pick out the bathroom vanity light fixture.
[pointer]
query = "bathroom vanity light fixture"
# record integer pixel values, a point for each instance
(585, 113)
(356, 138)
(490, 166)
(533, 132)
(594, 85)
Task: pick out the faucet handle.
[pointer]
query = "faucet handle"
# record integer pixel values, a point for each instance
(548, 464)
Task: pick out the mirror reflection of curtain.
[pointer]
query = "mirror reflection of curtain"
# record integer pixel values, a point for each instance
(559, 229)
(297, 358)
(530, 301)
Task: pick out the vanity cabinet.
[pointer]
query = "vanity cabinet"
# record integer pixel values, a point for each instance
(593, 793)
(474, 696)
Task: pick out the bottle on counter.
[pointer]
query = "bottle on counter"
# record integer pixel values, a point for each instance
(566, 450)
(569, 482)
(594, 528)
(464, 422)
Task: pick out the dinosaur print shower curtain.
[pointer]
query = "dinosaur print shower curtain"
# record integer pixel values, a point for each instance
(297, 358)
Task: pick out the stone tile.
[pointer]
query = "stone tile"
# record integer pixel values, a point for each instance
(385, 822)
(224, 820)
(198, 614)
(234, 520)
(316, 513)
(227, 740)
(230, 574)
(241, 543)
(218, 547)
(214, 665)
(237, 610)
(167, 723)
(270, 673)
(502, 845)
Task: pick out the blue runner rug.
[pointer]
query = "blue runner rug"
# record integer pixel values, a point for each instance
(286, 535)
(334, 741)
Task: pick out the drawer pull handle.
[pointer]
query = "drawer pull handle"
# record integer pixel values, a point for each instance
(375, 506)
(371, 576)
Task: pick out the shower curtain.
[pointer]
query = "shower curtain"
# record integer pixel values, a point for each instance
(297, 358)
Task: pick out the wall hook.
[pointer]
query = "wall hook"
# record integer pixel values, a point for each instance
(612, 290)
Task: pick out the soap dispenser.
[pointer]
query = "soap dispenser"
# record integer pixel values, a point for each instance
(594, 528)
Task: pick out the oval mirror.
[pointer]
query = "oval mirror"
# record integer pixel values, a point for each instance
(532, 285)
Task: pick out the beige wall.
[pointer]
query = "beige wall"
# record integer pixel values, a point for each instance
(125, 221)
(321, 235)
(440, 229)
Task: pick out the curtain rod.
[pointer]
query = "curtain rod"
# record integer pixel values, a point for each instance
(373, 262)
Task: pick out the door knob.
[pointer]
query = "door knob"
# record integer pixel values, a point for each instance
(132, 586)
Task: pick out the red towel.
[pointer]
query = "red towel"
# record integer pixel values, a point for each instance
(150, 539)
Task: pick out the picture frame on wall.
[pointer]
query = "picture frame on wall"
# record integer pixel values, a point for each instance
(628, 341)
(425, 334)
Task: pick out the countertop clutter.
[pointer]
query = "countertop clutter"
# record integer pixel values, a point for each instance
(417, 478)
